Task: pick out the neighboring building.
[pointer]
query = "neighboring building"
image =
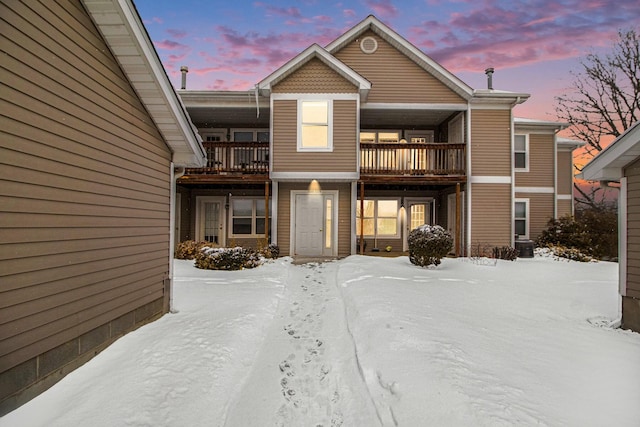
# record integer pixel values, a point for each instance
(90, 132)
(369, 132)
(620, 162)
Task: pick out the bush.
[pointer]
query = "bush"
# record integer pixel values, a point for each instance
(505, 252)
(227, 258)
(269, 251)
(560, 251)
(592, 232)
(189, 249)
(428, 245)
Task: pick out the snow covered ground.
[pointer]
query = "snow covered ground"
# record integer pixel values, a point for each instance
(364, 342)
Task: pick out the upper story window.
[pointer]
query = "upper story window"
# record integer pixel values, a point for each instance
(315, 131)
(521, 153)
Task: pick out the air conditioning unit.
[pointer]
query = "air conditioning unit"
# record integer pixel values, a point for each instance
(525, 248)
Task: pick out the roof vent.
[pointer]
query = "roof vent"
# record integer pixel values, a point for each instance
(368, 45)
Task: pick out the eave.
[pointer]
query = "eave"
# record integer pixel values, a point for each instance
(610, 163)
(121, 27)
(315, 51)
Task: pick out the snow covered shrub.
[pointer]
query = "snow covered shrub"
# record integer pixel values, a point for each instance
(228, 259)
(505, 252)
(593, 232)
(269, 251)
(559, 251)
(189, 249)
(428, 244)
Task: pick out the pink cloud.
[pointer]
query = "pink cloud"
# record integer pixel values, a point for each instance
(349, 13)
(170, 45)
(176, 34)
(382, 8)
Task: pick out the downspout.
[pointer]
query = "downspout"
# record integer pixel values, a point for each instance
(468, 214)
(175, 174)
(513, 174)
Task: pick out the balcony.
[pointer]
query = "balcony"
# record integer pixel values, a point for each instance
(249, 161)
(413, 159)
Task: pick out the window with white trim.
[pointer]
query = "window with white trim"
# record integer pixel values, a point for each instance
(521, 218)
(380, 218)
(247, 217)
(315, 125)
(521, 153)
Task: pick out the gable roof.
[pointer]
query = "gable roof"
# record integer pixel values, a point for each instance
(608, 165)
(121, 27)
(315, 51)
(394, 39)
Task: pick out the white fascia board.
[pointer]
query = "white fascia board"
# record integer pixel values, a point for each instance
(314, 51)
(607, 166)
(320, 176)
(107, 13)
(412, 106)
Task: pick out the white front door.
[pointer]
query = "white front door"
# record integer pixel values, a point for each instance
(313, 227)
(210, 220)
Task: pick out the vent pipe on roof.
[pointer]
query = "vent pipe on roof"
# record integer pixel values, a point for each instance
(184, 70)
(489, 73)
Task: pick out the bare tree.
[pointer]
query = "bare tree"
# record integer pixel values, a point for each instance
(604, 98)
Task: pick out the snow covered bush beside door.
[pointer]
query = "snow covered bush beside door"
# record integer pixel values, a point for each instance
(428, 244)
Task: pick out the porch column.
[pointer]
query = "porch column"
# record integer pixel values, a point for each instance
(458, 220)
(266, 212)
(361, 217)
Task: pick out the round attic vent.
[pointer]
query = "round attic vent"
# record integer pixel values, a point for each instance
(368, 45)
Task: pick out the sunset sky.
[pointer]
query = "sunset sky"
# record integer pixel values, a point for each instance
(533, 45)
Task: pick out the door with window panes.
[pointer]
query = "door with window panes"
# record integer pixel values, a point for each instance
(417, 213)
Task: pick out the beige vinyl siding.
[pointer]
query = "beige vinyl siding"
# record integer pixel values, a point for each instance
(632, 172)
(286, 158)
(491, 220)
(84, 185)
(394, 77)
(344, 214)
(541, 149)
(315, 77)
(540, 212)
(491, 143)
(565, 172)
(564, 207)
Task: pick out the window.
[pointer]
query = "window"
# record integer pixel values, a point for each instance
(314, 126)
(520, 153)
(381, 137)
(248, 217)
(380, 218)
(521, 215)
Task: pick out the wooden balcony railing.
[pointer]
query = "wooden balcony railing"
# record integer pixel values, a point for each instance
(234, 157)
(417, 159)
(412, 159)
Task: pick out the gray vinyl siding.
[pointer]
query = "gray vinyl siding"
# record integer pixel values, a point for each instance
(84, 187)
(632, 172)
(394, 77)
(491, 143)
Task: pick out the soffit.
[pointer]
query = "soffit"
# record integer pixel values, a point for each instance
(119, 23)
